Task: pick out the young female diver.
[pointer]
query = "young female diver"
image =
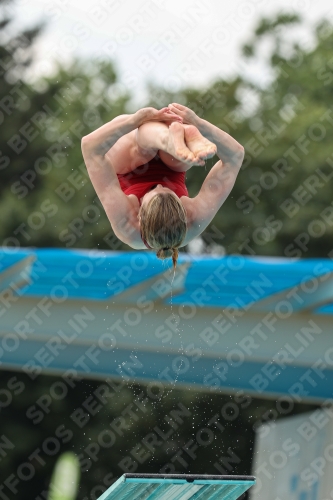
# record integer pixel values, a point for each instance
(137, 165)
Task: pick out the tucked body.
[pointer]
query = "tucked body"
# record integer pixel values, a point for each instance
(167, 142)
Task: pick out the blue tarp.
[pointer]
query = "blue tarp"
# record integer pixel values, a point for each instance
(104, 274)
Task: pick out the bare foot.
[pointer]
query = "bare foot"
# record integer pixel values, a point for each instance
(201, 147)
(176, 145)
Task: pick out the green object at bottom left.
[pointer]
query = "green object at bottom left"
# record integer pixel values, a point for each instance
(65, 478)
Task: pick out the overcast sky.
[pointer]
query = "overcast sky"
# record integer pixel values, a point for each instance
(173, 42)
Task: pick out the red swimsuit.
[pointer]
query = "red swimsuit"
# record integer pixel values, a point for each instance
(146, 177)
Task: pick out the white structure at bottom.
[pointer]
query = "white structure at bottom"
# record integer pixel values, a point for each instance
(294, 458)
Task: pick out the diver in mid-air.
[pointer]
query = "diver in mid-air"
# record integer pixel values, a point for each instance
(137, 165)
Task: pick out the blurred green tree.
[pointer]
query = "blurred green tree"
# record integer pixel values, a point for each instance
(47, 199)
(280, 204)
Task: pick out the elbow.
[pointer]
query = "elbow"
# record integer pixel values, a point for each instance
(84, 140)
(86, 144)
(89, 146)
(238, 155)
(241, 150)
(241, 153)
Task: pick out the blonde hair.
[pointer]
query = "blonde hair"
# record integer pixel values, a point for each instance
(163, 225)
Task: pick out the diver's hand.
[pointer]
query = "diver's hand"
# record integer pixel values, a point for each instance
(159, 115)
(188, 116)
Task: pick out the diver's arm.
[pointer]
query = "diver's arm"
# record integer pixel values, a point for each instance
(228, 149)
(101, 140)
(221, 177)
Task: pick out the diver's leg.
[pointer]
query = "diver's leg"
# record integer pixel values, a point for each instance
(200, 146)
(141, 145)
(126, 155)
(171, 162)
(180, 146)
(157, 136)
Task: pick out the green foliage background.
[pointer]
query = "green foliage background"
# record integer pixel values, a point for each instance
(76, 101)
(268, 120)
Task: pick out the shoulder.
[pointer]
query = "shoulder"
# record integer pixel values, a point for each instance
(213, 193)
(128, 231)
(193, 229)
(197, 219)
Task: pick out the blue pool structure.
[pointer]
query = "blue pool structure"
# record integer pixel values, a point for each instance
(235, 323)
